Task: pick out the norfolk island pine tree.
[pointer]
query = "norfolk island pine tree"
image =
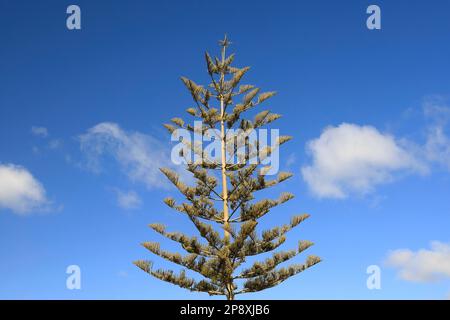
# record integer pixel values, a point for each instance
(228, 200)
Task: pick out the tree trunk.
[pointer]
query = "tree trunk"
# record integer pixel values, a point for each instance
(230, 292)
(229, 284)
(224, 176)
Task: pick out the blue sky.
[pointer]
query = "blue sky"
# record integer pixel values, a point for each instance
(376, 102)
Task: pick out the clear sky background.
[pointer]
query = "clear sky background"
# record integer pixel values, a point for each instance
(81, 138)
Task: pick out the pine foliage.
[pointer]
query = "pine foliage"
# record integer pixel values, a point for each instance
(219, 260)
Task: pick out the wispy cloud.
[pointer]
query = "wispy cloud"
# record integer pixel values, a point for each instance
(291, 159)
(437, 146)
(352, 159)
(128, 200)
(50, 144)
(20, 191)
(55, 144)
(424, 265)
(39, 131)
(139, 155)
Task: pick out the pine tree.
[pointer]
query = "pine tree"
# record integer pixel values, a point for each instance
(227, 202)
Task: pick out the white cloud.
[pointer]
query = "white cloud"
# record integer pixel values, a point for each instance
(20, 191)
(39, 131)
(423, 265)
(352, 159)
(128, 200)
(139, 155)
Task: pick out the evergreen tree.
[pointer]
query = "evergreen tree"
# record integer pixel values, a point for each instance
(224, 194)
